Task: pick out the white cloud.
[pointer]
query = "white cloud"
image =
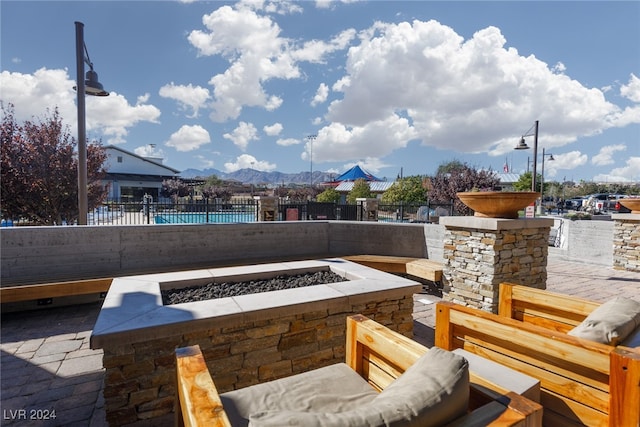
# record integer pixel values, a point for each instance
(563, 161)
(193, 97)
(605, 155)
(150, 150)
(189, 138)
(321, 95)
(242, 135)
(450, 92)
(285, 142)
(632, 89)
(245, 161)
(257, 53)
(337, 142)
(273, 130)
(205, 162)
(111, 116)
(630, 172)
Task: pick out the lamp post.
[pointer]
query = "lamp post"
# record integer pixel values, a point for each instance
(542, 176)
(522, 145)
(90, 86)
(311, 138)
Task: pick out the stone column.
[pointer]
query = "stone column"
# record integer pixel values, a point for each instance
(369, 210)
(480, 253)
(267, 207)
(626, 242)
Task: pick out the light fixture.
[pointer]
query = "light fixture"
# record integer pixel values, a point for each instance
(522, 145)
(90, 86)
(542, 176)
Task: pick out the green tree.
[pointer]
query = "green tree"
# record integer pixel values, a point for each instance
(39, 170)
(330, 195)
(455, 177)
(361, 189)
(408, 190)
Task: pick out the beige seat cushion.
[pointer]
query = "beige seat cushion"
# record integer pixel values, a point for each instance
(432, 392)
(334, 388)
(610, 323)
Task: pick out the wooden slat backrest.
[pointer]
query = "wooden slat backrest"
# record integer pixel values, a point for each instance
(573, 373)
(543, 308)
(371, 351)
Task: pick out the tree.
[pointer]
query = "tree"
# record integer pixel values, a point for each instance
(407, 190)
(330, 195)
(40, 170)
(216, 192)
(174, 188)
(361, 189)
(455, 177)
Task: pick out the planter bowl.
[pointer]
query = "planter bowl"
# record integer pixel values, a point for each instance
(498, 204)
(633, 204)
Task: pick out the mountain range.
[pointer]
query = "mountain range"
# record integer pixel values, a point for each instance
(252, 176)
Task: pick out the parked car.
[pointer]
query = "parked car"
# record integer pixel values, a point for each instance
(574, 204)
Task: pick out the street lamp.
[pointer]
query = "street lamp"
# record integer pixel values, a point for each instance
(311, 138)
(522, 145)
(542, 179)
(90, 86)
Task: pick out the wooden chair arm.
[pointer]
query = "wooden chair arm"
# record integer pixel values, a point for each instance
(199, 402)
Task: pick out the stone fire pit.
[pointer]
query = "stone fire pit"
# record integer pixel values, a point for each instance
(245, 339)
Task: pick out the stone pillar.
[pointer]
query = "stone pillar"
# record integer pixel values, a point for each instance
(267, 207)
(626, 242)
(368, 209)
(480, 253)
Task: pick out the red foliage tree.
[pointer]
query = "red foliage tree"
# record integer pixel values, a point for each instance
(454, 177)
(39, 170)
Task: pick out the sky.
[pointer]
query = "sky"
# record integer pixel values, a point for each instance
(293, 86)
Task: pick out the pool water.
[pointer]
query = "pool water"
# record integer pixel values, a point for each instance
(203, 217)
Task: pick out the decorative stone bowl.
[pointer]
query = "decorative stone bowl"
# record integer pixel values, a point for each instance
(633, 204)
(497, 204)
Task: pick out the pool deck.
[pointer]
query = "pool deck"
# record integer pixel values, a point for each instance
(47, 364)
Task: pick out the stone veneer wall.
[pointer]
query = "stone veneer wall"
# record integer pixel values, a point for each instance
(480, 253)
(626, 242)
(140, 383)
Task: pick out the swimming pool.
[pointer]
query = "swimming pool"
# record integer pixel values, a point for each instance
(203, 217)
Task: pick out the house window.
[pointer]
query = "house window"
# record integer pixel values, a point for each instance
(119, 159)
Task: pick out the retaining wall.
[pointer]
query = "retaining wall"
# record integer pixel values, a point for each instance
(33, 255)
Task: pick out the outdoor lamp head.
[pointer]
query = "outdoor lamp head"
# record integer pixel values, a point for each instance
(522, 145)
(92, 86)
(551, 157)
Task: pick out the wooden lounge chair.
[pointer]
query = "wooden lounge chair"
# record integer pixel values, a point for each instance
(380, 356)
(583, 382)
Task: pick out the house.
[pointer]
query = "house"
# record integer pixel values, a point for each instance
(507, 180)
(130, 176)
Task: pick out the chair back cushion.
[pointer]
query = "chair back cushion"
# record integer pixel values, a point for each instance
(610, 323)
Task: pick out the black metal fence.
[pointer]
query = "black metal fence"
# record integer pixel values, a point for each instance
(217, 211)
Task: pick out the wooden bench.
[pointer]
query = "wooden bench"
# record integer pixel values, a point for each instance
(377, 354)
(582, 382)
(21, 293)
(420, 267)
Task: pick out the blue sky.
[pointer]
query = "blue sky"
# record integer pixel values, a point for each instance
(383, 84)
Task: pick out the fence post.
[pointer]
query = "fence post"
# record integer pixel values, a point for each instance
(147, 208)
(206, 209)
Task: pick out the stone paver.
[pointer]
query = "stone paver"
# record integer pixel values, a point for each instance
(47, 365)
